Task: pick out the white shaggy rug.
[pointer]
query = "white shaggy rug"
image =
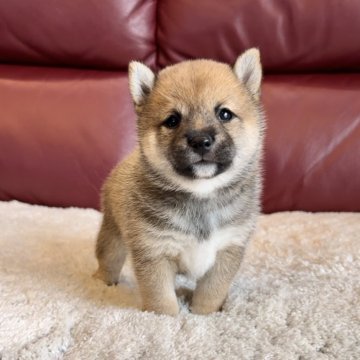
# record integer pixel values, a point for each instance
(297, 295)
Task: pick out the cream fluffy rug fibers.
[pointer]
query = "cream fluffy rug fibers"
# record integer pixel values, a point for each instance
(297, 295)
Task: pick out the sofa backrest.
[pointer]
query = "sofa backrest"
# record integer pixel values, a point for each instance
(293, 35)
(82, 33)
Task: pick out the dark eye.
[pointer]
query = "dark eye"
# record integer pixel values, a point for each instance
(225, 114)
(173, 121)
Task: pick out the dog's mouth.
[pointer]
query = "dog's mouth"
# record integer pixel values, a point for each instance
(202, 169)
(190, 164)
(203, 161)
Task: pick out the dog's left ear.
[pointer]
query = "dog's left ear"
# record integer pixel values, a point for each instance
(141, 80)
(248, 69)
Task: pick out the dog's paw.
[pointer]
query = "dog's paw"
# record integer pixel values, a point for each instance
(105, 277)
(205, 309)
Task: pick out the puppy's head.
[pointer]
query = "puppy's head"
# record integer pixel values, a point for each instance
(199, 123)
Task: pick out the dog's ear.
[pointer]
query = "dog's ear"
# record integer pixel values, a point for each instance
(141, 80)
(248, 69)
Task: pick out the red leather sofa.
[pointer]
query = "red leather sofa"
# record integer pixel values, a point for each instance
(66, 116)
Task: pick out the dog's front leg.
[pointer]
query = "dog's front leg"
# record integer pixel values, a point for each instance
(212, 288)
(156, 279)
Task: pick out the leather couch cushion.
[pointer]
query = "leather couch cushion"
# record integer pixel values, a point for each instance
(81, 33)
(296, 35)
(61, 131)
(312, 147)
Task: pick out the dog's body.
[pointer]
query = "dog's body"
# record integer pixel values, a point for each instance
(187, 199)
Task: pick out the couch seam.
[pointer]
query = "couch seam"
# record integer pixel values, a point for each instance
(156, 35)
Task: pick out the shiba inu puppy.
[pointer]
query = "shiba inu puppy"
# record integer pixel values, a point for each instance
(187, 199)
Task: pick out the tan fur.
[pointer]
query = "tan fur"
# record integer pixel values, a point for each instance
(212, 289)
(168, 222)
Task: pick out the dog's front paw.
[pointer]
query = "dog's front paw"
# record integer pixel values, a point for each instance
(204, 308)
(106, 277)
(165, 308)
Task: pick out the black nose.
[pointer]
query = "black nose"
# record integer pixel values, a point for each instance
(201, 142)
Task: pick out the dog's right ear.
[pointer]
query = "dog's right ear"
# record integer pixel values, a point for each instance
(141, 80)
(248, 70)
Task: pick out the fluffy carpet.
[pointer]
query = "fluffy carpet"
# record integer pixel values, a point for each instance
(297, 295)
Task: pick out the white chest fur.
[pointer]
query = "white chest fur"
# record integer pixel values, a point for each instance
(196, 258)
(193, 257)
